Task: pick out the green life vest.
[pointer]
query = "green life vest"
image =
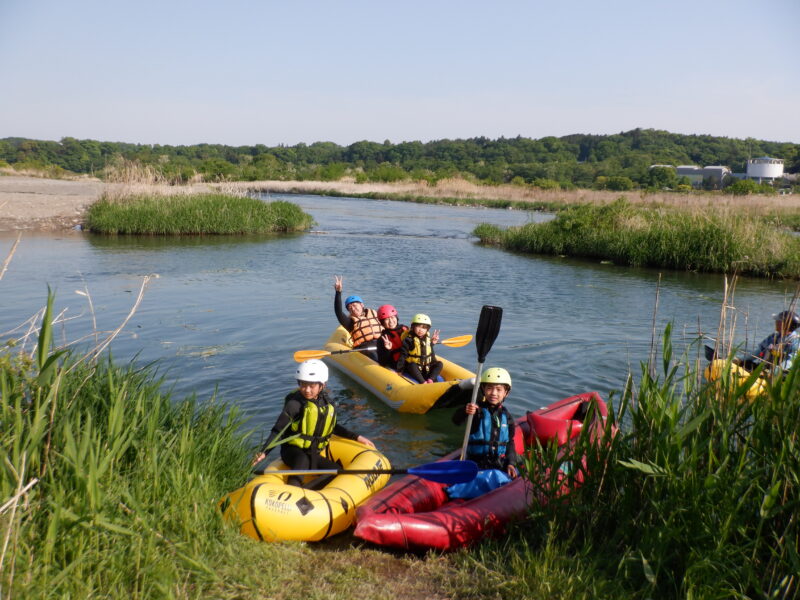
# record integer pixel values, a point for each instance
(315, 426)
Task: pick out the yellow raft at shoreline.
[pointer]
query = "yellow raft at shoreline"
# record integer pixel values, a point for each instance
(738, 375)
(397, 391)
(269, 509)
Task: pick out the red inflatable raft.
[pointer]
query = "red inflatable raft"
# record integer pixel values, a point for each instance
(416, 514)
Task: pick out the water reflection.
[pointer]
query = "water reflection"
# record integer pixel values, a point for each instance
(228, 312)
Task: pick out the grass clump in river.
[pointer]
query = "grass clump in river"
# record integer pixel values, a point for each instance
(698, 496)
(721, 241)
(194, 214)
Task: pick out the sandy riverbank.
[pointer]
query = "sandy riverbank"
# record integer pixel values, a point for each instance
(32, 203)
(35, 203)
(45, 204)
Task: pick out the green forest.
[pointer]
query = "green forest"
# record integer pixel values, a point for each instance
(620, 161)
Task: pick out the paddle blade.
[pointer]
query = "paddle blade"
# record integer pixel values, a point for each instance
(711, 354)
(447, 471)
(302, 355)
(458, 341)
(488, 328)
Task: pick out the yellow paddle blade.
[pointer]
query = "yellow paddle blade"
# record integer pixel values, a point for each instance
(302, 355)
(458, 341)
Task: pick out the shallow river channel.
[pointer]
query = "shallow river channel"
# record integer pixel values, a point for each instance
(226, 313)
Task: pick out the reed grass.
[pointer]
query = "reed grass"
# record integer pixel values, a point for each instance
(722, 241)
(518, 195)
(108, 488)
(108, 481)
(697, 496)
(194, 214)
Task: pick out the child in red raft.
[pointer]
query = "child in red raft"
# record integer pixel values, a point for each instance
(491, 439)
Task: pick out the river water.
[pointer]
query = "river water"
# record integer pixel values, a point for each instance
(226, 314)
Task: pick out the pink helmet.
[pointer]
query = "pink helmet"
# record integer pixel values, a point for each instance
(386, 311)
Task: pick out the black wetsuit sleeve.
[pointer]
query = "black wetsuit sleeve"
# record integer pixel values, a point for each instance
(460, 415)
(344, 432)
(290, 412)
(384, 355)
(512, 458)
(407, 345)
(344, 319)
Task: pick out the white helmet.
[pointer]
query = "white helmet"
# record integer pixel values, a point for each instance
(313, 370)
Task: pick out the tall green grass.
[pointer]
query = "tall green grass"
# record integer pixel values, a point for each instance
(194, 214)
(120, 480)
(697, 496)
(709, 241)
(108, 489)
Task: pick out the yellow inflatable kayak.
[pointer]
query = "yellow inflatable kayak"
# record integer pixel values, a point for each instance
(716, 368)
(401, 393)
(269, 509)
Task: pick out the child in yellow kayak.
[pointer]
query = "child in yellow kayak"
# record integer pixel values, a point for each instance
(308, 414)
(417, 358)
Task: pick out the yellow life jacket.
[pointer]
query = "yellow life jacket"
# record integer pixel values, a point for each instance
(422, 352)
(315, 425)
(366, 328)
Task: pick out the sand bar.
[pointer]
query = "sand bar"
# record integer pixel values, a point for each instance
(34, 203)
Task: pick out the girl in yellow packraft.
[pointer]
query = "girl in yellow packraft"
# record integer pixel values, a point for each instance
(308, 414)
(417, 358)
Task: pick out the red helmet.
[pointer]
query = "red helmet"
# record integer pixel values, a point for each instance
(386, 311)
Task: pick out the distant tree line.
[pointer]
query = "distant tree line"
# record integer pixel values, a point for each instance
(620, 161)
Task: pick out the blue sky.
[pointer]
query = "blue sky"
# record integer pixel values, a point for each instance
(263, 72)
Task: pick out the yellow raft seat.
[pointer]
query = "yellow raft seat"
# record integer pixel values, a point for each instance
(738, 375)
(401, 393)
(269, 509)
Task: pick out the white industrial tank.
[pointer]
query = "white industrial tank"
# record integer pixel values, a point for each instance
(764, 167)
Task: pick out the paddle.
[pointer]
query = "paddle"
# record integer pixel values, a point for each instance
(444, 471)
(486, 334)
(301, 355)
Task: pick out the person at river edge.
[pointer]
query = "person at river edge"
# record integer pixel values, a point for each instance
(308, 414)
(361, 322)
(780, 348)
(417, 358)
(391, 336)
(491, 439)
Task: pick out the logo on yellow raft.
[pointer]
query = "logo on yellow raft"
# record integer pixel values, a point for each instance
(279, 501)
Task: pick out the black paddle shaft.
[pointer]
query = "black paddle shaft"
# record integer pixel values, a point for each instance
(488, 328)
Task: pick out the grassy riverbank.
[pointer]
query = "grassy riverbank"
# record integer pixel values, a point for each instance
(109, 488)
(194, 215)
(697, 497)
(698, 240)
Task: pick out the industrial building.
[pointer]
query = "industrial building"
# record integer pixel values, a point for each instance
(765, 168)
(711, 176)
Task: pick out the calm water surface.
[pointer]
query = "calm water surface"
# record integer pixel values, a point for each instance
(227, 313)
